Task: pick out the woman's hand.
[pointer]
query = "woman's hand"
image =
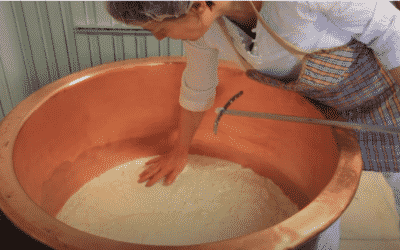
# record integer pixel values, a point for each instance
(169, 165)
(172, 164)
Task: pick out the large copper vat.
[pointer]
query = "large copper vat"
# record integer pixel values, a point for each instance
(75, 129)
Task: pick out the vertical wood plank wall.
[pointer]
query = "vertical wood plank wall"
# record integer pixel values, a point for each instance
(41, 42)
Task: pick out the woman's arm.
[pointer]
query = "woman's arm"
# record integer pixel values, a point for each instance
(188, 125)
(198, 89)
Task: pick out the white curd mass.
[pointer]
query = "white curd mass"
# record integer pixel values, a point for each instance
(211, 200)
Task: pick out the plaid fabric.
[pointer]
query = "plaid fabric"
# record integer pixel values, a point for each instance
(353, 81)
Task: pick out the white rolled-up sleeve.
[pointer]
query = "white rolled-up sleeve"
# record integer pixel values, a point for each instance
(200, 77)
(376, 24)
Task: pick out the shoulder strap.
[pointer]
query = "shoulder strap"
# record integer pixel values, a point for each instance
(244, 63)
(286, 45)
(289, 47)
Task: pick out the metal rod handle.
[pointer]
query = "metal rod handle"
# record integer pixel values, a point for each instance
(289, 118)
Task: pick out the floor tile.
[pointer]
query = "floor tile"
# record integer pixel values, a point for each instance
(372, 213)
(370, 245)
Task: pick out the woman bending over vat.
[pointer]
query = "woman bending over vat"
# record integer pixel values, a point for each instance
(342, 55)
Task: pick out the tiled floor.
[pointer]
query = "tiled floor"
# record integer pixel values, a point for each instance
(370, 245)
(371, 220)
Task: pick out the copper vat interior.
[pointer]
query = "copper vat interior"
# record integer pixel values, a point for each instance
(130, 109)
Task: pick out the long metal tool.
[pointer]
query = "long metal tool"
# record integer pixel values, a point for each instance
(349, 125)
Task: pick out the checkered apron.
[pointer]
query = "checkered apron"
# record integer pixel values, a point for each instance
(353, 81)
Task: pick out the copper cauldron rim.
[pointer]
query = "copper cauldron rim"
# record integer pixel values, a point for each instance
(29, 217)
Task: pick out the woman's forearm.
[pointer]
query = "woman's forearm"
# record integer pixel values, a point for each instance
(188, 125)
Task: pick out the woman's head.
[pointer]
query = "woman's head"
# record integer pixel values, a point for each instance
(144, 11)
(186, 20)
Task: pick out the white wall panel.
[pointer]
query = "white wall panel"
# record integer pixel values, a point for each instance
(129, 45)
(37, 41)
(18, 78)
(141, 47)
(118, 48)
(83, 49)
(41, 42)
(88, 14)
(70, 36)
(57, 36)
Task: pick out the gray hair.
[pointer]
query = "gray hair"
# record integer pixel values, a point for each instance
(144, 11)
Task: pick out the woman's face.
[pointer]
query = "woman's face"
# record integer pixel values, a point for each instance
(191, 27)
